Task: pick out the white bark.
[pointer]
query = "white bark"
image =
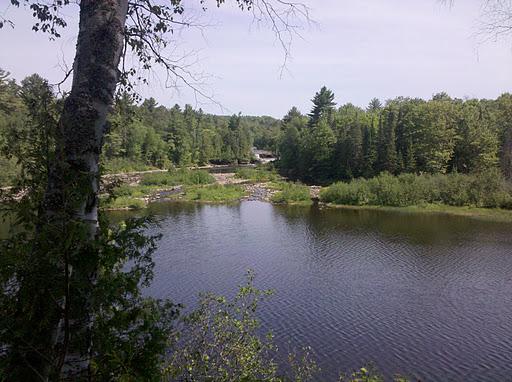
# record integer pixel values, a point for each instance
(82, 128)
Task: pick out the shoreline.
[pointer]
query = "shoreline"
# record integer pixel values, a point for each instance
(488, 214)
(261, 191)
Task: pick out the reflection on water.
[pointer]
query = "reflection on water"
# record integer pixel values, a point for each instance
(424, 295)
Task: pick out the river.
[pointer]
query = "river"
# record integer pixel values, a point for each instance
(425, 295)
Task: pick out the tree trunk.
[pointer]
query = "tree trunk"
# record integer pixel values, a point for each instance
(72, 194)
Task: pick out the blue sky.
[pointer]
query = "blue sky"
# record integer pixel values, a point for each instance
(360, 49)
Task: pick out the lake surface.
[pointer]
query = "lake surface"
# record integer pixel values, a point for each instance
(428, 296)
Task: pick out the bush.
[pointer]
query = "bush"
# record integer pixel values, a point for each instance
(356, 193)
(487, 190)
(292, 193)
(220, 341)
(257, 175)
(123, 202)
(177, 177)
(133, 191)
(214, 193)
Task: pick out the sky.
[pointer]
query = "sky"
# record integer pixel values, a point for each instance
(360, 49)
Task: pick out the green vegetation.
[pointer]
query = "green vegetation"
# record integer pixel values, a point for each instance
(177, 177)
(221, 341)
(257, 174)
(145, 136)
(124, 202)
(486, 190)
(9, 171)
(124, 165)
(292, 193)
(215, 193)
(41, 299)
(197, 186)
(162, 137)
(406, 135)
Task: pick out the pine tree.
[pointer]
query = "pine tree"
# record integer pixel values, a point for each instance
(374, 106)
(387, 156)
(323, 106)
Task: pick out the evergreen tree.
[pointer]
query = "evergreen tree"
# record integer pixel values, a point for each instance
(387, 156)
(317, 153)
(323, 106)
(374, 106)
(369, 151)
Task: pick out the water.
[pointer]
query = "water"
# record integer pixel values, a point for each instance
(429, 296)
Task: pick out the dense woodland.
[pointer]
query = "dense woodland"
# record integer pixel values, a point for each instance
(140, 136)
(403, 135)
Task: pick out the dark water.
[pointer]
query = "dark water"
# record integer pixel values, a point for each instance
(429, 296)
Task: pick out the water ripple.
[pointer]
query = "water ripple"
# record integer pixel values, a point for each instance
(425, 295)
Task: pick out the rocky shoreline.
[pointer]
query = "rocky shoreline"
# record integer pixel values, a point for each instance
(259, 191)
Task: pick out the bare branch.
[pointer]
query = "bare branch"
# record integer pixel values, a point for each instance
(496, 19)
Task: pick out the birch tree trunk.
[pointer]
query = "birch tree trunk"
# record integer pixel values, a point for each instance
(72, 193)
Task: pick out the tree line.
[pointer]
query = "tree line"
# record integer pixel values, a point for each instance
(140, 136)
(161, 136)
(403, 135)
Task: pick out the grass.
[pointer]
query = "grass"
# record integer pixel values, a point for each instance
(291, 193)
(257, 175)
(139, 191)
(196, 187)
(124, 202)
(214, 193)
(177, 177)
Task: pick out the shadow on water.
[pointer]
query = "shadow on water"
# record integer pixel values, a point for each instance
(415, 227)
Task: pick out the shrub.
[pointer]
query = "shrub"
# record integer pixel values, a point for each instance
(220, 341)
(488, 190)
(177, 177)
(355, 193)
(125, 202)
(214, 193)
(292, 193)
(257, 175)
(10, 171)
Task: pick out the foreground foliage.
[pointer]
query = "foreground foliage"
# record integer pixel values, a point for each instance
(222, 341)
(219, 341)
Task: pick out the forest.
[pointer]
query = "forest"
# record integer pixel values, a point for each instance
(403, 135)
(141, 136)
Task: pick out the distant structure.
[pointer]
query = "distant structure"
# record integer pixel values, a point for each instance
(263, 156)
